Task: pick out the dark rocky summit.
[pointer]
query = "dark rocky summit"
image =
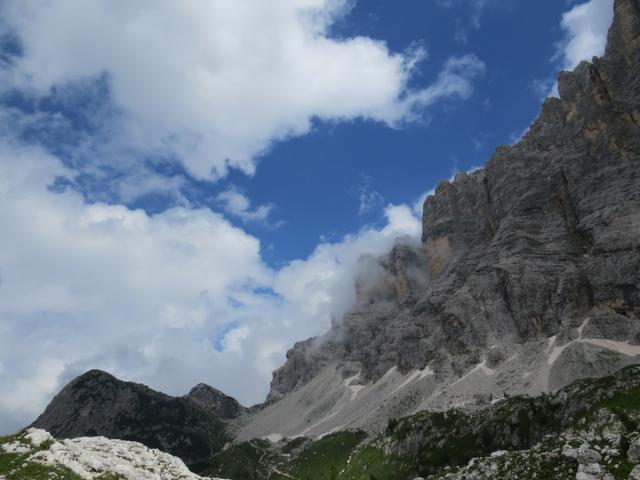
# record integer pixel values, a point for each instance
(97, 403)
(215, 402)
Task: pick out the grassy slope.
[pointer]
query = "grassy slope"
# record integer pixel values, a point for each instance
(16, 466)
(370, 463)
(324, 459)
(340, 456)
(248, 460)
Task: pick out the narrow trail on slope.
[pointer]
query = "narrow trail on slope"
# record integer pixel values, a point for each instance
(273, 468)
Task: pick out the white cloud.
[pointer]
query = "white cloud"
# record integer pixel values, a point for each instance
(474, 9)
(83, 282)
(232, 341)
(322, 287)
(369, 199)
(236, 203)
(585, 26)
(453, 81)
(217, 82)
(147, 297)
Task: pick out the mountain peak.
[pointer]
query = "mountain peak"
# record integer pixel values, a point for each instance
(98, 404)
(215, 402)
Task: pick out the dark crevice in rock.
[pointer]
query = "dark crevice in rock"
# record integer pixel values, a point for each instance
(570, 215)
(491, 221)
(630, 293)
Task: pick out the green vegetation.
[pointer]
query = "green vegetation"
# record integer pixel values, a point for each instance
(543, 462)
(339, 456)
(248, 460)
(17, 467)
(294, 444)
(530, 431)
(623, 407)
(618, 465)
(370, 463)
(323, 459)
(626, 405)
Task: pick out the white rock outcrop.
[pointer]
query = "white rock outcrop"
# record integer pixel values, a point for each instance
(91, 457)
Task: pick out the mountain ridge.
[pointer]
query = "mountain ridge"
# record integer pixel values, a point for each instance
(98, 404)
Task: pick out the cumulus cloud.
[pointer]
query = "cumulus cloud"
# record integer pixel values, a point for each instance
(585, 26)
(217, 82)
(80, 279)
(149, 297)
(236, 203)
(323, 286)
(453, 81)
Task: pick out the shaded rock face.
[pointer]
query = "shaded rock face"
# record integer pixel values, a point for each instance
(98, 404)
(543, 243)
(215, 402)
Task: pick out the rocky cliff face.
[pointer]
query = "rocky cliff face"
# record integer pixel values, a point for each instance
(97, 403)
(527, 277)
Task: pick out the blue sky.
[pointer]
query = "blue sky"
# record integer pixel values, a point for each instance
(315, 181)
(188, 187)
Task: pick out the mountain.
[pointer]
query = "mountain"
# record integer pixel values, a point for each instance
(526, 279)
(496, 336)
(98, 404)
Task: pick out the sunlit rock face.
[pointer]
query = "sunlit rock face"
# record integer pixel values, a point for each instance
(95, 458)
(527, 276)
